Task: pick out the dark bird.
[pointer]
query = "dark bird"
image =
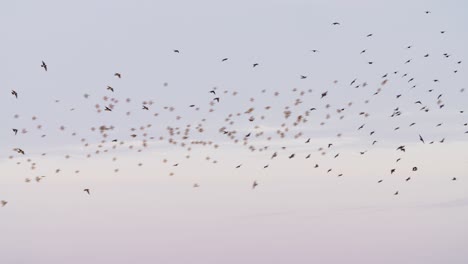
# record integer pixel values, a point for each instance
(303, 77)
(225, 59)
(396, 193)
(421, 139)
(87, 190)
(15, 131)
(145, 107)
(176, 51)
(415, 168)
(19, 151)
(118, 75)
(255, 184)
(110, 88)
(213, 92)
(216, 99)
(324, 94)
(336, 23)
(107, 109)
(43, 65)
(13, 92)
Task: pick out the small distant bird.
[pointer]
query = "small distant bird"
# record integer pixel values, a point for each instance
(118, 75)
(213, 92)
(255, 184)
(19, 151)
(396, 193)
(43, 65)
(176, 51)
(421, 139)
(415, 168)
(369, 35)
(107, 109)
(87, 190)
(195, 185)
(225, 59)
(454, 179)
(380, 181)
(238, 166)
(336, 23)
(216, 99)
(3, 203)
(110, 88)
(255, 65)
(145, 107)
(15, 131)
(13, 92)
(303, 77)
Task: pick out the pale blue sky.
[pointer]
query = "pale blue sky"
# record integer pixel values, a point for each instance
(297, 214)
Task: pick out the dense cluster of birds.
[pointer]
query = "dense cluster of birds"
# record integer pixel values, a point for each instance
(256, 138)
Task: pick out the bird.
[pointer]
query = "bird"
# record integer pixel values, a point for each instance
(44, 65)
(216, 99)
(396, 193)
(421, 139)
(336, 23)
(14, 93)
(224, 59)
(110, 88)
(15, 131)
(254, 65)
(254, 184)
(87, 190)
(3, 203)
(118, 75)
(176, 51)
(19, 151)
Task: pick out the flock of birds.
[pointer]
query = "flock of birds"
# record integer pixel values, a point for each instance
(291, 118)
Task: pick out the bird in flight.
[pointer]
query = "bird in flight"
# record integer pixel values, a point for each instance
(3, 203)
(44, 65)
(14, 93)
(87, 190)
(118, 75)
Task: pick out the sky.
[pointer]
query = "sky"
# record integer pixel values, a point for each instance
(142, 205)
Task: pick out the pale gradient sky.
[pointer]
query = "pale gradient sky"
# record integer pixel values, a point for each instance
(297, 214)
